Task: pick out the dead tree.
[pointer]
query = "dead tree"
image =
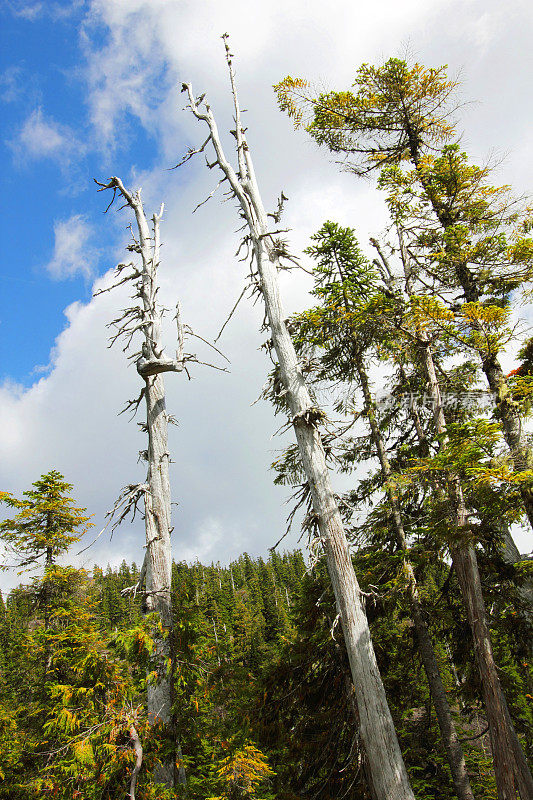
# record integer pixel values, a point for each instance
(388, 775)
(145, 317)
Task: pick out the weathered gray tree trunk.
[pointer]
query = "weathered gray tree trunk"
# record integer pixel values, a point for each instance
(146, 318)
(159, 552)
(510, 766)
(389, 776)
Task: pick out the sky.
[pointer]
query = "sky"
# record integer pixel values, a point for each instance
(90, 89)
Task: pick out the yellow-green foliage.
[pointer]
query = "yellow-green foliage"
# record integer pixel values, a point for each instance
(349, 119)
(243, 773)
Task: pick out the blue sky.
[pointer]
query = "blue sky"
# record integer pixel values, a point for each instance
(90, 89)
(52, 145)
(50, 154)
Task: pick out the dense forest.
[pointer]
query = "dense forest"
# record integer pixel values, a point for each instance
(264, 703)
(392, 660)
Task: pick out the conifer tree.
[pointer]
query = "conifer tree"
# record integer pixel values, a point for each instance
(511, 770)
(346, 329)
(46, 524)
(398, 119)
(420, 325)
(69, 727)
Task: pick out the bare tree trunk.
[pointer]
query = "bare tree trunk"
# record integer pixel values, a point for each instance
(450, 739)
(389, 776)
(510, 766)
(159, 559)
(146, 318)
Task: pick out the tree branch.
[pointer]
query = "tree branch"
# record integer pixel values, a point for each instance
(137, 747)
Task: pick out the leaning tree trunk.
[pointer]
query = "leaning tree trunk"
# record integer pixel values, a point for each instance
(145, 317)
(448, 732)
(510, 766)
(389, 776)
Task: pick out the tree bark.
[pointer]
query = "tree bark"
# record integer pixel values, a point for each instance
(389, 776)
(159, 560)
(510, 766)
(448, 732)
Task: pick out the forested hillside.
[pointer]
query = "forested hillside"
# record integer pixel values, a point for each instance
(263, 693)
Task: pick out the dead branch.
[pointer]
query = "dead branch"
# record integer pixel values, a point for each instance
(136, 274)
(195, 360)
(138, 750)
(276, 215)
(209, 196)
(192, 151)
(179, 327)
(134, 589)
(129, 498)
(196, 336)
(232, 312)
(134, 403)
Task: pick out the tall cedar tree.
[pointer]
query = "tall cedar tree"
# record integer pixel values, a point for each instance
(399, 114)
(346, 330)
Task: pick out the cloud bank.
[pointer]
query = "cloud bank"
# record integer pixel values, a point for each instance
(222, 448)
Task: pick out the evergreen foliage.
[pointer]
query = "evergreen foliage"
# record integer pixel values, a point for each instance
(263, 699)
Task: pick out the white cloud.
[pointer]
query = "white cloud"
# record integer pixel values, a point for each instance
(221, 449)
(155, 44)
(42, 137)
(29, 11)
(34, 11)
(11, 84)
(73, 253)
